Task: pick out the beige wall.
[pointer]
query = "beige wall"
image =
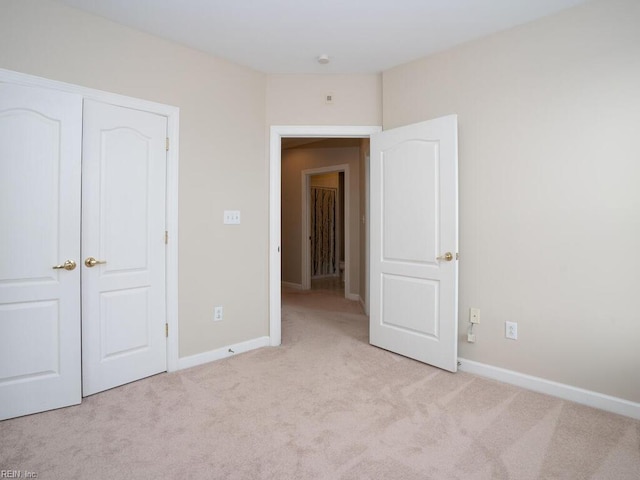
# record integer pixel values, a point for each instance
(299, 100)
(222, 151)
(549, 190)
(294, 161)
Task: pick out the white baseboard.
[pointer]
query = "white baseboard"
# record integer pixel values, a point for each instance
(294, 286)
(224, 352)
(561, 390)
(353, 296)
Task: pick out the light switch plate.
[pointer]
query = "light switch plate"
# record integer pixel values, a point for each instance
(232, 217)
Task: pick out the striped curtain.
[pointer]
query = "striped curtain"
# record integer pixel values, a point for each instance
(323, 231)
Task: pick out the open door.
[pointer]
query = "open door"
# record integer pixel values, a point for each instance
(414, 241)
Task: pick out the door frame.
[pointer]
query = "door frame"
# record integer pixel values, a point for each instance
(173, 126)
(306, 223)
(367, 240)
(275, 168)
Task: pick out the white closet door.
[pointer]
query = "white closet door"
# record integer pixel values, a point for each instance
(123, 231)
(40, 148)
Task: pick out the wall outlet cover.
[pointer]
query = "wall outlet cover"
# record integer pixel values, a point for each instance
(511, 330)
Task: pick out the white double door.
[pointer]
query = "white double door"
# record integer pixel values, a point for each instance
(82, 249)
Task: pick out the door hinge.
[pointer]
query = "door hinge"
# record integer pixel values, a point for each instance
(167, 144)
(166, 237)
(166, 330)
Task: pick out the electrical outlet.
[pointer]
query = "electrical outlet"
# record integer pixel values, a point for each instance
(471, 337)
(217, 314)
(474, 315)
(511, 330)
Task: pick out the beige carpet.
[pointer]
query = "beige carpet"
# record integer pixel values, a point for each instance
(325, 405)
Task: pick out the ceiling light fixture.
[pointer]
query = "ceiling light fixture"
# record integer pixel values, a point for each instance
(323, 59)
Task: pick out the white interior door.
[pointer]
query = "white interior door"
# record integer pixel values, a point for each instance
(40, 148)
(414, 241)
(123, 246)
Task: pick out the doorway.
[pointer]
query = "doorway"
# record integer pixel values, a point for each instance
(326, 236)
(325, 226)
(275, 205)
(324, 220)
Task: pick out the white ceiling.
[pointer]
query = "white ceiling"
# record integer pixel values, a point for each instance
(287, 36)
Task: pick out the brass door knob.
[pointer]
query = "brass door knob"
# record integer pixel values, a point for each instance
(92, 262)
(68, 265)
(446, 257)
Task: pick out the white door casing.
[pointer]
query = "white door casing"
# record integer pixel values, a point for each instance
(414, 223)
(123, 225)
(275, 158)
(40, 162)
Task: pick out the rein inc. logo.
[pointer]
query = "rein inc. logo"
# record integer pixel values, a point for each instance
(18, 474)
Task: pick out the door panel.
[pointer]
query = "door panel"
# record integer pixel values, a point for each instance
(123, 224)
(419, 297)
(410, 192)
(40, 148)
(413, 223)
(124, 199)
(127, 311)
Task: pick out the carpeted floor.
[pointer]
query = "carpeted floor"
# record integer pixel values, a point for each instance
(325, 405)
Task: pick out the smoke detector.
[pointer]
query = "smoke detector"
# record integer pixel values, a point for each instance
(323, 59)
